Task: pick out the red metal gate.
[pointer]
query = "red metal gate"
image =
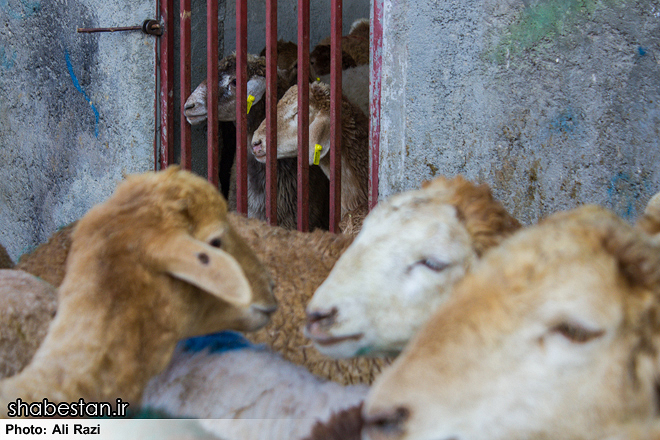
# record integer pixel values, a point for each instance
(164, 145)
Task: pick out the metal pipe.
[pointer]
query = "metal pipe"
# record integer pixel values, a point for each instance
(303, 115)
(271, 112)
(166, 43)
(212, 90)
(185, 81)
(376, 54)
(241, 106)
(335, 114)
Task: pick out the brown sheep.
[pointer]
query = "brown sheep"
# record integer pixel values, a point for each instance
(356, 43)
(5, 259)
(155, 263)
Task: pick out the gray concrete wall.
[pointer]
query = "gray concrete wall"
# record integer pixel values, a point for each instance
(553, 103)
(76, 111)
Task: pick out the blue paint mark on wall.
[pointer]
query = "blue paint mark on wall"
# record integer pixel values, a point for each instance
(76, 83)
(7, 60)
(566, 122)
(216, 342)
(26, 9)
(627, 211)
(641, 51)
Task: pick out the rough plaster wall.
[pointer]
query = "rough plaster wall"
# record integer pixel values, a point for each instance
(553, 103)
(287, 21)
(64, 145)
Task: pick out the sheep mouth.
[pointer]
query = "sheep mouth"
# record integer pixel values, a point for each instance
(259, 153)
(325, 341)
(196, 119)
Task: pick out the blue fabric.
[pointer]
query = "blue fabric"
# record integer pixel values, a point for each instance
(216, 342)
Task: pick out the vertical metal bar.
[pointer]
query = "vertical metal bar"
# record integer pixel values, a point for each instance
(271, 111)
(303, 115)
(185, 84)
(166, 64)
(376, 45)
(212, 91)
(241, 106)
(335, 114)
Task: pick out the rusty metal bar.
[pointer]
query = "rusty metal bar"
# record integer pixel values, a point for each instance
(241, 106)
(212, 91)
(271, 112)
(335, 114)
(165, 65)
(109, 29)
(376, 45)
(303, 115)
(185, 81)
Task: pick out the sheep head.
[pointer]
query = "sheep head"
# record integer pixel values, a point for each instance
(287, 124)
(403, 264)
(554, 334)
(168, 233)
(195, 109)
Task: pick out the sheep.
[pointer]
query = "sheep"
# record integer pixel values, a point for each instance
(287, 60)
(650, 219)
(354, 85)
(343, 425)
(553, 334)
(354, 140)
(298, 263)
(411, 251)
(5, 259)
(155, 263)
(28, 305)
(356, 43)
(48, 261)
(319, 61)
(225, 378)
(195, 111)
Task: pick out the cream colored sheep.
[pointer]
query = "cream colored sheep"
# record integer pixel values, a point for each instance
(27, 305)
(155, 263)
(403, 265)
(553, 334)
(354, 140)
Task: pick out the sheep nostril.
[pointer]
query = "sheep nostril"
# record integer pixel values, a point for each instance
(388, 422)
(256, 143)
(189, 106)
(323, 317)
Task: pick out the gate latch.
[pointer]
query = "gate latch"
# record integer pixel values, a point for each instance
(150, 27)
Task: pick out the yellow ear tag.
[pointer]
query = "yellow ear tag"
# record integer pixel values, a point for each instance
(317, 154)
(250, 102)
(318, 79)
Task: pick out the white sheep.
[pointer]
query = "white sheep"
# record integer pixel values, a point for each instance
(354, 85)
(248, 391)
(287, 196)
(553, 334)
(155, 263)
(354, 140)
(403, 264)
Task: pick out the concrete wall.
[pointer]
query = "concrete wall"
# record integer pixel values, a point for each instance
(76, 112)
(554, 103)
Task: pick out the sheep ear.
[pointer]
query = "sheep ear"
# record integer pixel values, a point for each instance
(319, 133)
(208, 268)
(256, 87)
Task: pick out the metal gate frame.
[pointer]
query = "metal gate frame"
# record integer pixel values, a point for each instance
(164, 140)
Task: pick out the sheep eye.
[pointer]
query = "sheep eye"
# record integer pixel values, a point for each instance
(433, 264)
(233, 82)
(576, 333)
(216, 242)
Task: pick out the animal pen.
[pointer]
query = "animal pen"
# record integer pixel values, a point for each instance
(165, 143)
